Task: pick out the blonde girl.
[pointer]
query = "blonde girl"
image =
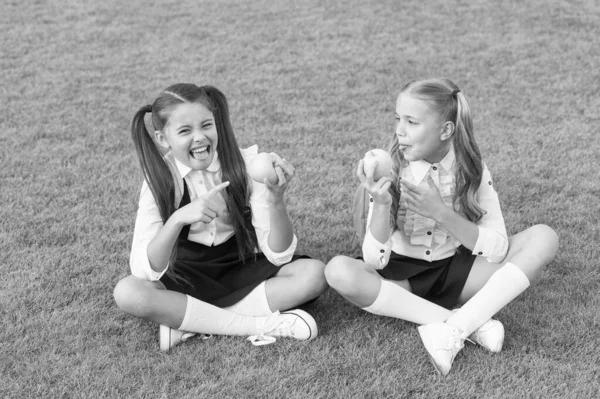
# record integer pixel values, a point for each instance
(213, 251)
(435, 234)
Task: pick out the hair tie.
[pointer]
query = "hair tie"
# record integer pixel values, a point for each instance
(455, 94)
(148, 108)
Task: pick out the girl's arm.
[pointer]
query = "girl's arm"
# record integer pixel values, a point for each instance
(281, 232)
(487, 238)
(203, 209)
(148, 224)
(376, 245)
(153, 241)
(274, 230)
(159, 249)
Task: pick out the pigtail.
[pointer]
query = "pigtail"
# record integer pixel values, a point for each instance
(398, 162)
(468, 157)
(155, 169)
(157, 175)
(233, 170)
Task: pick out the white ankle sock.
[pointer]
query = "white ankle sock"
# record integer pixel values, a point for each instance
(204, 318)
(395, 301)
(503, 286)
(254, 304)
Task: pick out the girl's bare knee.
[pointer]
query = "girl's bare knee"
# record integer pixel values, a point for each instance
(122, 292)
(314, 276)
(131, 295)
(339, 272)
(545, 240)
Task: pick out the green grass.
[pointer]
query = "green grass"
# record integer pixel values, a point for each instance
(315, 82)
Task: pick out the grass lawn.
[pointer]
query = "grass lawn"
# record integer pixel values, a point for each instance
(314, 81)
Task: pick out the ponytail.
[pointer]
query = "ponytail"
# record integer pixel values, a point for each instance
(155, 169)
(234, 170)
(469, 162)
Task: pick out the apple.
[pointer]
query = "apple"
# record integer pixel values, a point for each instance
(263, 167)
(378, 161)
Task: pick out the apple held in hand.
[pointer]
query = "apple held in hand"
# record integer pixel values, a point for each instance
(378, 161)
(263, 167)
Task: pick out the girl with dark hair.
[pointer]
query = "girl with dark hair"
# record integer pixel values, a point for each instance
(435, 234)
(213, 250)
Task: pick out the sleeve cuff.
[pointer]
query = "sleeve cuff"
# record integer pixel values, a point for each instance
(375, 253)
(281, 258)
(140, 267)
(491, 245)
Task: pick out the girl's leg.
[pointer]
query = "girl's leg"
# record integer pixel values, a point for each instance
(253, 304)
(296, 283)
(360, 284)
(490, 287)
(150, 300)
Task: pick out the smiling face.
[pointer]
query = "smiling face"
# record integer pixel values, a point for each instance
(191, 135)
(421, 132)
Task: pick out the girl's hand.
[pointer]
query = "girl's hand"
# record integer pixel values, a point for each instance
(285, 173)
(204, 208)
(380, 189)
(426, 202)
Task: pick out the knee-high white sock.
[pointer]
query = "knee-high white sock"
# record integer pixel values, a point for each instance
(254, 304)
(503, 286)
(204, 318)
(395, 301)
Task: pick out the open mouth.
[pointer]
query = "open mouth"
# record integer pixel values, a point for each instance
(200, 153)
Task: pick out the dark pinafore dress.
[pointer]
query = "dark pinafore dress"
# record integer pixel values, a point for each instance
(215, 274)
(440, 281)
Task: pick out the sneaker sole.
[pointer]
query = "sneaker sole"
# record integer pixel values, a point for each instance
(426, 339)
(308, 320)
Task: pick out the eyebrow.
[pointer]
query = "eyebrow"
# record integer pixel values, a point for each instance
(203, 121)
(406, 116)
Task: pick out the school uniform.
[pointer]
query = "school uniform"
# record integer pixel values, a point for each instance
(207, 265)
(425, 254)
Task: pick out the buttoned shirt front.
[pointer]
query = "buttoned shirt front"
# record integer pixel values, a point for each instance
(149, 222)
(419, 237)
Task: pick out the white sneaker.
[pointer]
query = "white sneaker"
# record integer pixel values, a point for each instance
(490, 335)
(295, 324)
(169, 337)
(442, 342)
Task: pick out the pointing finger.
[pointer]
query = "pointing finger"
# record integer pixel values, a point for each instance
(217, 188)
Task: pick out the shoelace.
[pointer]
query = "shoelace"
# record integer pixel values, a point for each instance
(457, 341)
(273, 324)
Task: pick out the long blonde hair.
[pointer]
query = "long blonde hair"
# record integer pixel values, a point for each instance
(443, 96)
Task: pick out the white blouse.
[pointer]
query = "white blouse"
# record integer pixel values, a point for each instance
(149, 222)
(419, 237)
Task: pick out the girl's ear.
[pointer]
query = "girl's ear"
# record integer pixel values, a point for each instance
(160, 138)
(447, 130)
